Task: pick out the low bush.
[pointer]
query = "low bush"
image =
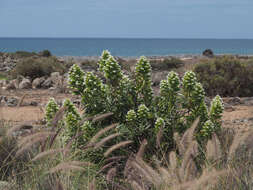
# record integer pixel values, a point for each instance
(166, 63)
(45, 53)
(22, 54)
(37, 67)
(226, 76)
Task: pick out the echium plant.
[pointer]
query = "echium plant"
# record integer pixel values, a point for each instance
(169, 90)
(112, 71)
(143, 81)
(51, 109)
(93, 97)
(139, 114)
(72, 119)
(76, 79)
(216, 111)
(105, 56)
(194, 99)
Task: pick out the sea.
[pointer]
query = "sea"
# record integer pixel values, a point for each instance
(127, 47)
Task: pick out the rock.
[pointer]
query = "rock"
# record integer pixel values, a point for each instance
(228, 107)
(234, 101)
(12, 102)
(2, 83)
(25, 126)
(25, 84)
(248, 101)
(13, 84)
(56, 78)
(208, 53)
(47, 83)
(33, 103)
(37, 83)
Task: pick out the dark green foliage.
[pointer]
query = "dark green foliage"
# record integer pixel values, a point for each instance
(166, 63)
(226, 76)
(45, 53)
(139, 113)
(22, 54)
(37, 67)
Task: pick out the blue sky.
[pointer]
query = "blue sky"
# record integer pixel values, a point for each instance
(127, 18)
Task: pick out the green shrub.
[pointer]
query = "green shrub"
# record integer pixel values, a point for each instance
(226, 76)
(166, 63)
(22, 54)
(139, 113)
(37, 67)
(45, 53)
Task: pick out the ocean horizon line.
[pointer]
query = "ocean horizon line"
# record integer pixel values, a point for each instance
(127, 38)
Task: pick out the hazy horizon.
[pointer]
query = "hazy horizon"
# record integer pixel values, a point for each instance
(144, 38)
(160, 19)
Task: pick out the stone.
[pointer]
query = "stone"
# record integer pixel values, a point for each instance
(248, 101)
(12, 102)
(47, 83)
(3, 83)
(25, 84)
(37, 83)
(56, 78)
(13, 84)
(234, 101)
(228, 107)
(33, 103)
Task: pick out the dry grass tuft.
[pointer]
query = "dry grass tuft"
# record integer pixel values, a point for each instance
(213, 147)
(21, 100)
(238, 140)
(27, 139)
(115, 147)
(71, 165)
(104, 140)
(141, 151)
(188, 136)
(49, 152)
(58, 116)
(173, 160)
(101, 132)
(101, 117)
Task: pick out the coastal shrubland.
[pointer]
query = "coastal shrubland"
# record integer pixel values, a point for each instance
(227, 76)
(123, 136)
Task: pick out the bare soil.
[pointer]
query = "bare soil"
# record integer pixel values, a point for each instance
(240, 118)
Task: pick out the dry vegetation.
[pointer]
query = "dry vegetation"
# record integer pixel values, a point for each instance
(39, 160)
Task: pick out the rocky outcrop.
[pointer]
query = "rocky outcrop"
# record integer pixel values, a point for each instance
(7, 62)
(13, 84)
(48, 83)
(8, 101)
(37, 83)
(25, 84)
